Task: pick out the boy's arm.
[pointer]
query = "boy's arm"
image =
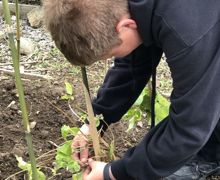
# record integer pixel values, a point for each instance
(123, 84)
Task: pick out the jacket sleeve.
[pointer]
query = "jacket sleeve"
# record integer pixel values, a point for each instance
(123, 84)
(193, 115)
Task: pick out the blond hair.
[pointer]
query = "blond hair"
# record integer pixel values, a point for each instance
(84, 30)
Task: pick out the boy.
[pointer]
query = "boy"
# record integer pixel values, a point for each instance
(186, 144)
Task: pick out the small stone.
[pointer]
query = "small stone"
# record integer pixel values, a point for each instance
(33, 124)
(44, 134)
(14, 107)
(140, 124)
(56, 83)
(13, 18)
(133, 140)
(27, 46)
(35, 17)
(11, 103)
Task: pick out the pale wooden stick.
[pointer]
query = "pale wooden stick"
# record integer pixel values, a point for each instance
(26, 75)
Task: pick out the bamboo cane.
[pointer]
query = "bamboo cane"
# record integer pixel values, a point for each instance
(15, 53)
(92, 121)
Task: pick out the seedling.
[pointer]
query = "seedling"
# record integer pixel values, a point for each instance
(142, 106)
(69, 92)
(64, 153)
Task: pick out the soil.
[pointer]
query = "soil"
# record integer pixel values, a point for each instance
(35, 2)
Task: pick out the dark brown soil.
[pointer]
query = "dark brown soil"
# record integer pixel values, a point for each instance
(37, 2)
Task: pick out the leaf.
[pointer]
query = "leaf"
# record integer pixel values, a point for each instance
(161, 108)
(27, 167)
(66, 131)
(78, 176)
(41, 175)
(69, 88)
(146, 103)
(140, 99)
(143, 104)
(131, 125)
(65, 149)
(22, 164)
(64, 158)
(65, 97)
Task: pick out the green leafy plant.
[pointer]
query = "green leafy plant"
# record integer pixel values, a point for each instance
(142, 107)
(64, 158)
(133, 116)
(68, 131)
(69, 92)
(64, 153)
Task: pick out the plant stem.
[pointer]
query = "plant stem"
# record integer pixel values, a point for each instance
(15, 52)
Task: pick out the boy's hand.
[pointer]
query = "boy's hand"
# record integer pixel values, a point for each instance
(94, 171)
(79, 145)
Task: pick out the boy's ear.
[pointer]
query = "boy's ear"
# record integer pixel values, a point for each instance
(128, 23)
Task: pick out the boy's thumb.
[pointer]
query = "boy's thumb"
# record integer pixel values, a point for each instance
(91, 163)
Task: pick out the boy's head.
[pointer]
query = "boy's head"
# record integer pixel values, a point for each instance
(88, 30)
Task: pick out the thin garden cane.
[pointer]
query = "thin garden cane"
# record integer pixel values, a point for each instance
(92, 121)
(15, 57)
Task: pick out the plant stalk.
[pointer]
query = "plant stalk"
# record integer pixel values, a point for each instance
(15, 53)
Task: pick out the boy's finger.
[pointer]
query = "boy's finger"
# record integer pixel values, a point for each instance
(91, 163)
(75, 150)
(84, 154)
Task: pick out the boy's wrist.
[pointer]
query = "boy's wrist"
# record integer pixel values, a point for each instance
(108, 173)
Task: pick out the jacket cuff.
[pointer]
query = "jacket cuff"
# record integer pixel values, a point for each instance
(119, 171)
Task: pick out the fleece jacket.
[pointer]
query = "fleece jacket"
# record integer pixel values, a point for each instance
(188, 32)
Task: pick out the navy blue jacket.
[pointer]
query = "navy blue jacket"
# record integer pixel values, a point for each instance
(188, 32)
